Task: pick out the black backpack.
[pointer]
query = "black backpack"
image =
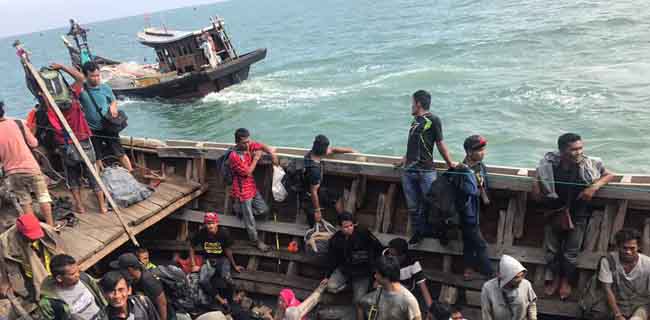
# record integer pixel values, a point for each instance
(176, 286)
(444, 201)
(223, 167)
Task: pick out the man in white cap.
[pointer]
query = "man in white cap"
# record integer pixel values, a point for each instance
(509, 295)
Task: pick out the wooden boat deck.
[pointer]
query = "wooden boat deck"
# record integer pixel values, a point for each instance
(97, 235)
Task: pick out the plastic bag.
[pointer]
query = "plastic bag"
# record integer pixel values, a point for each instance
(123, 187)
(279, 192)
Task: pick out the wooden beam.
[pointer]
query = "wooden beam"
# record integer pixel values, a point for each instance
(501, 228)
(389, 207)
(544, 306)
(363, 189)
(521, 201)
(508, 228)
(379, 216)
(353, 195)
(606, 228)
(592, 233)
(645, 241)
(80, 151)
(619, 220)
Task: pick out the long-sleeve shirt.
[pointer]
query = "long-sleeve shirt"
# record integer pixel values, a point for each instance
(243, 183)
(354, 255)
(495, 304)
(471, 181)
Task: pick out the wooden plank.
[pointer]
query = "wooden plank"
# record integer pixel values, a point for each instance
(606, 228)
(520, 216)
(78, 244)
(253, 263)
(645, 241)
(508, 228)
(188, 170)
(592, 233)
(379, 216)
(363, 189)
(351, 200)
(538, 280)
(619, 220)
(227, 209)
(389, 207)
(105, 250)
(501, 228)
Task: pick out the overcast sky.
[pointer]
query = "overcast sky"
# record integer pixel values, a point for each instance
(27, 16)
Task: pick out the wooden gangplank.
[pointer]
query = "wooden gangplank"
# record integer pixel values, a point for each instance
(97, 235)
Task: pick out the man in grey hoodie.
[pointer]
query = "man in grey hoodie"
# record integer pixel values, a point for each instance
(509, 295)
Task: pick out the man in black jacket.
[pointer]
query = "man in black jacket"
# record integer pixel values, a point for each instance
(122, 304)
(352, 253)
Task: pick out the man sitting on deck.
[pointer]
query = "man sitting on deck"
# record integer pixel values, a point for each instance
(390, 301)
(509, 296)
(20, 167)
(317, 197)
(74, 166)
(626, 278)
(247, 201)
(144, 283)
(217, 255)
(352, 253)
(70, 293)
(568, 179)
(122, 304)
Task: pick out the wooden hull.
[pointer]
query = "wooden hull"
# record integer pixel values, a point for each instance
(198, 84)
(512, 224)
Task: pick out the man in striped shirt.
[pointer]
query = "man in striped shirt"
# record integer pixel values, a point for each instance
(247, 201)
(411, 275)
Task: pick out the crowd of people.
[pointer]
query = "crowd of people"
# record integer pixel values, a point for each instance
(387, 283)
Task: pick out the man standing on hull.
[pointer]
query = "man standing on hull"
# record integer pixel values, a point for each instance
(419, 172)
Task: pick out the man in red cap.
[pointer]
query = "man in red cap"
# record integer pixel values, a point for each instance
(473, 184)
(215, 243)
(31, 244)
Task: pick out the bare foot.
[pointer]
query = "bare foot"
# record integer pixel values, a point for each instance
(550, 286)
(80, 210)
(103, 210)
(565, 289)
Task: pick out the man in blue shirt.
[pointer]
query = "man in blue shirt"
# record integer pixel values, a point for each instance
(106, 144)
(473, 184)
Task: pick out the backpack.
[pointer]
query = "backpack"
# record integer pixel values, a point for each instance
(177, 287)
(124, 188)
(593, 301)
(57, 86)
(223, 167)
(443, 201)
(294, 178)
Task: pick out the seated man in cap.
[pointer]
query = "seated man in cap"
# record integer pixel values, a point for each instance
(144, 283)
(31, 244)
(473, 185)
(70, 293)
(122, 304)
(215, 243)
(509, 296)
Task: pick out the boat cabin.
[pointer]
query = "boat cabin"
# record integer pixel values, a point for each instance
(189, 51)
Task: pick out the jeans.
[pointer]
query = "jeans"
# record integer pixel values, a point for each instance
(338, 282)
(208, 272)
(248, 210)
(562, 248)
(475, 249)
(416, 184)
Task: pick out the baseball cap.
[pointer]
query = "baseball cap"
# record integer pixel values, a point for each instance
(211, 217)
(29, 226)
(474, 142)
(125, 260)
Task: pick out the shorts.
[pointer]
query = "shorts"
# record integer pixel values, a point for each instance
(107, 145)
(22, 184)
(75, 171)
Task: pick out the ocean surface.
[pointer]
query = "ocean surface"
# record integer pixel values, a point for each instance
(519, 72)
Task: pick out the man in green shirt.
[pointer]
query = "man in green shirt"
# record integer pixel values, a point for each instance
(106, 144)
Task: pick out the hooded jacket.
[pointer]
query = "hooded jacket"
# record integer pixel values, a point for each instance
(499, 303)
(52, 306)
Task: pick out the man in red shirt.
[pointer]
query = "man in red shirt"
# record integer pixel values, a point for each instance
(74, 167)
(247, 201)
